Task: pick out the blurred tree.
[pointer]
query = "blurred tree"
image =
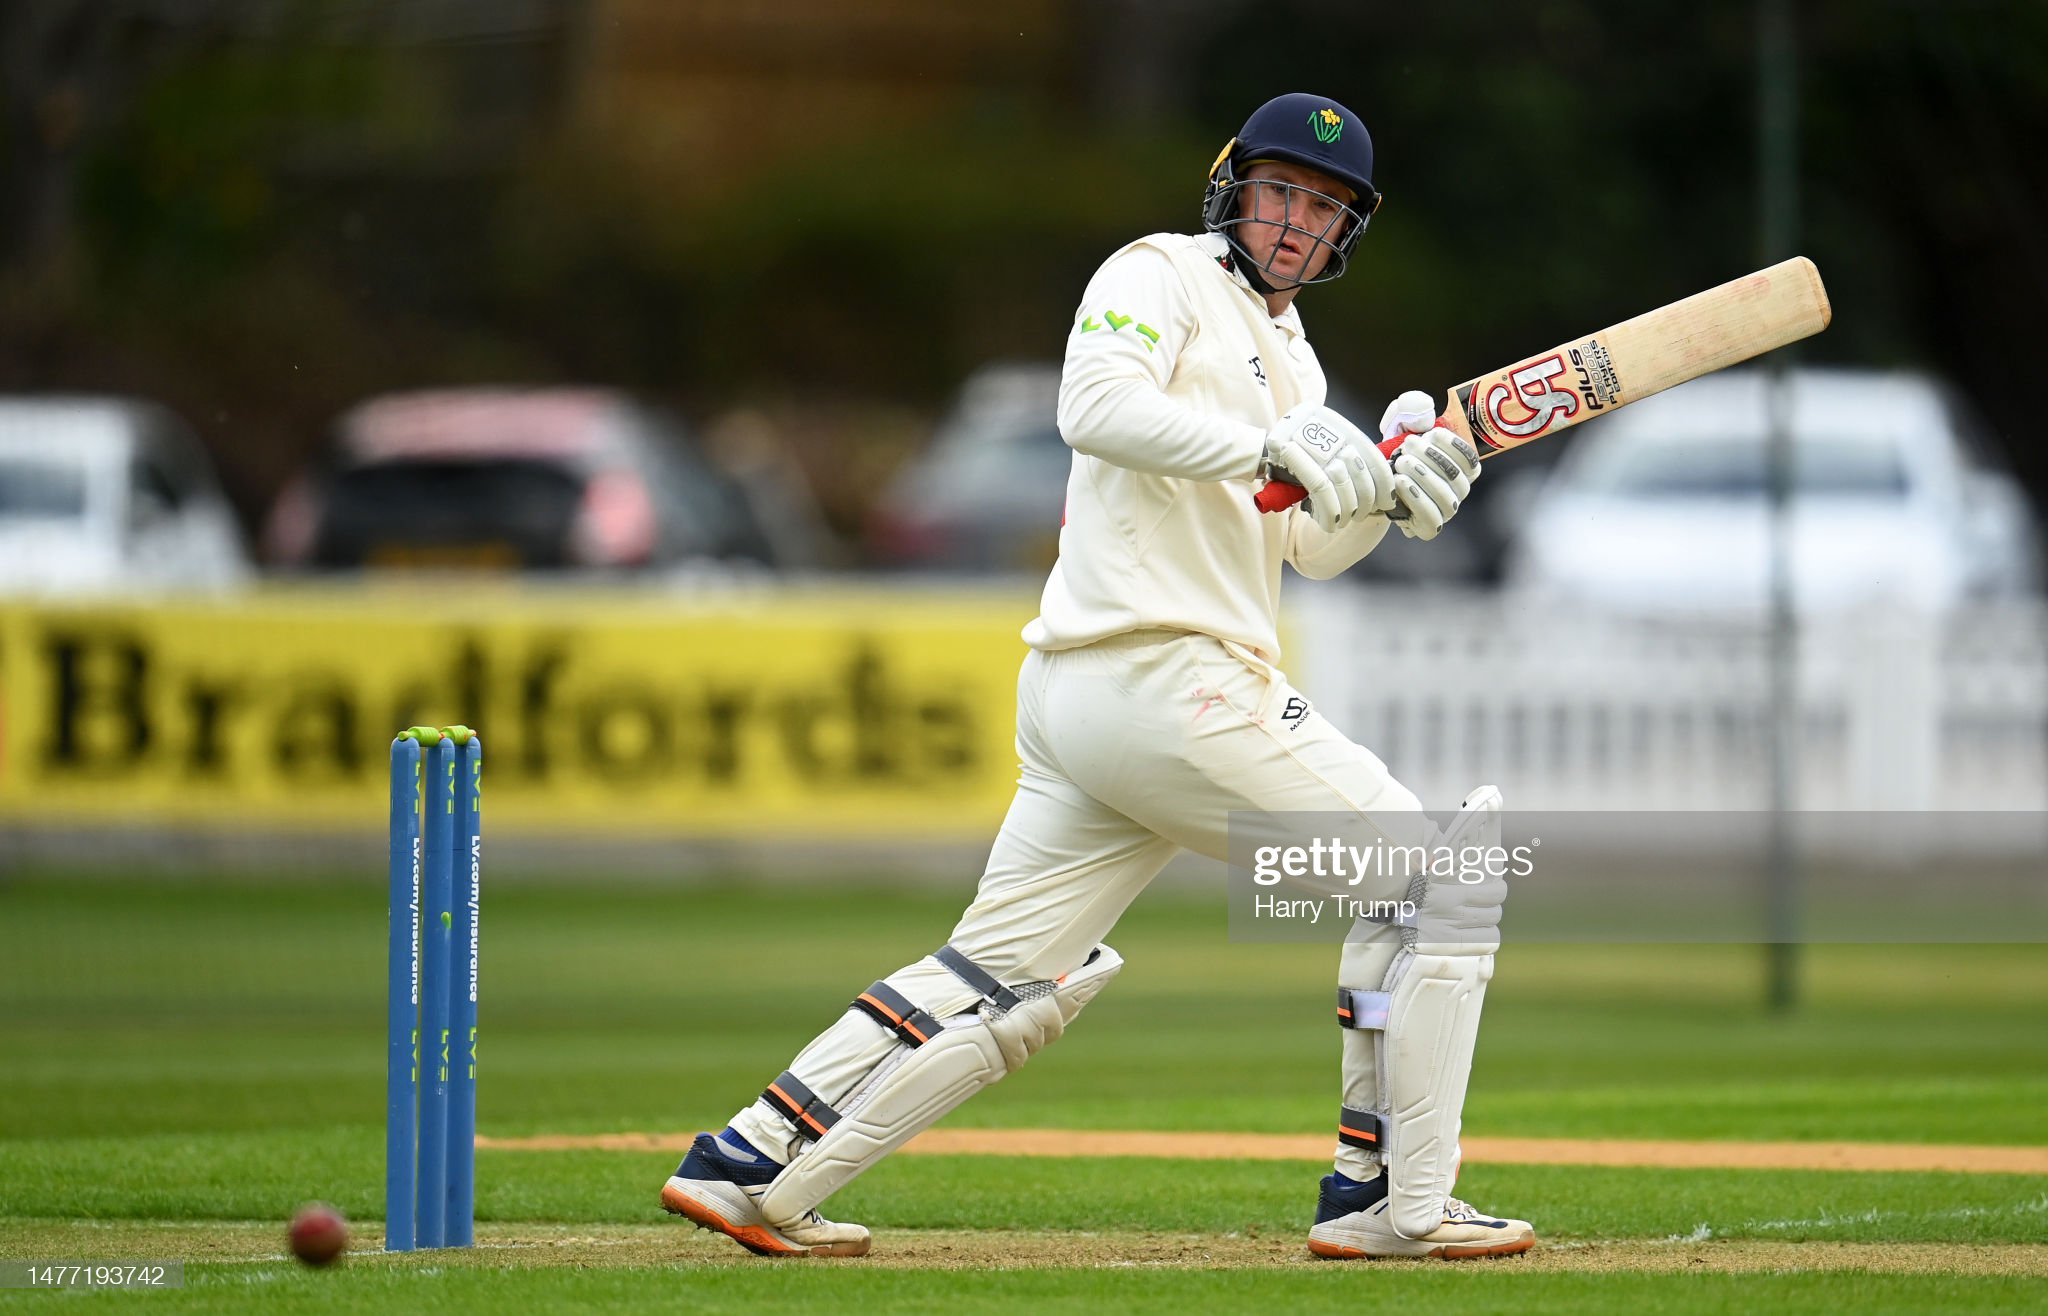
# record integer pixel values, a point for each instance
(65, 67)
(261, 211)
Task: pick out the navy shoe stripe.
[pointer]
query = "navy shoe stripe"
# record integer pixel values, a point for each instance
(706, 1161)
(1334, 1201)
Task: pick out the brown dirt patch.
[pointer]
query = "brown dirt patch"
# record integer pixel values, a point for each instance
(676, 1243)
(1034, 1250)
(1652, 1154)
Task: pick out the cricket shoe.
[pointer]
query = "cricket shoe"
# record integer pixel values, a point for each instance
(1351, 1223)
(718, 1190)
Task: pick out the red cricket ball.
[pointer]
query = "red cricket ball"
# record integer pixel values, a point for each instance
(318, 1234)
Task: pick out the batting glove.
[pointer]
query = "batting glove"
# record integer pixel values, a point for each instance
(1433, 469)
(1334, 461)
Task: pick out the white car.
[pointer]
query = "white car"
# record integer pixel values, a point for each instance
(106, 494)
(1664, 507)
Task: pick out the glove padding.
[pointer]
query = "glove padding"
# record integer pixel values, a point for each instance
(1433, 469)
(1334, 461)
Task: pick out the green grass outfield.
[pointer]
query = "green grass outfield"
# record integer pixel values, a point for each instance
(182, 1061)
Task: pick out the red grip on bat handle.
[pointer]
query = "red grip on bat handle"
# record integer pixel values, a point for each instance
(1279, 495)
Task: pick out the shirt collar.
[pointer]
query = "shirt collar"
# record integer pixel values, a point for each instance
(1218, 249)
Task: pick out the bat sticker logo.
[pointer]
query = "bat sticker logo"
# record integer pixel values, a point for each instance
(1533, 390)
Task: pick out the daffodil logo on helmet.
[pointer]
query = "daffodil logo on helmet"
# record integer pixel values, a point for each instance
(1328, 124)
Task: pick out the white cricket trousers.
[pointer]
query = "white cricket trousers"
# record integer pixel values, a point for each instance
(1132, 749)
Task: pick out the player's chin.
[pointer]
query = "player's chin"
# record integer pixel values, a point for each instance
(1288, 269)
(1286, 272)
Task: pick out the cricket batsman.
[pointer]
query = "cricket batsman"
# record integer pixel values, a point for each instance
(1151, 706)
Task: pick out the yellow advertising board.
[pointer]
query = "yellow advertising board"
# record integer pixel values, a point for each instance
(768, 714)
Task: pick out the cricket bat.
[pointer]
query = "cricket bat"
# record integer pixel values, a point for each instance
(1591, 376)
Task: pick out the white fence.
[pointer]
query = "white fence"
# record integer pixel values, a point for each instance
(1572, 710)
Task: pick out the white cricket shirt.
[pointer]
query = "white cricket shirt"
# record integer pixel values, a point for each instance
(1174, 372)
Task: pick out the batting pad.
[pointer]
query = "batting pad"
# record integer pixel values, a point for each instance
(915, 1086)
(1424, 1022)
(1425, 1055)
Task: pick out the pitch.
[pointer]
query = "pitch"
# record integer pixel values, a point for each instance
(189, 1058)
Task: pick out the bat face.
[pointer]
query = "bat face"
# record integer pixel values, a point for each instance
(1625, 363)
(1579, 380)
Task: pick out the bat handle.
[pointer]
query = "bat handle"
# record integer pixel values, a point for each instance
(1279, 495)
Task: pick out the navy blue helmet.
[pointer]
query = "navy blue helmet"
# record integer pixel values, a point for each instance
(1312, 131)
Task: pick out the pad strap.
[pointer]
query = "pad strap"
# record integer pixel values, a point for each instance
(1363, 1009)
(800, 1106)
(977, 979)
(894, 1011)
(1358, 1128)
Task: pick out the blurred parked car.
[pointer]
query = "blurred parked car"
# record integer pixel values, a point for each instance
(1664, 507)
(988, 491)
(109, 493)
(512, 479)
